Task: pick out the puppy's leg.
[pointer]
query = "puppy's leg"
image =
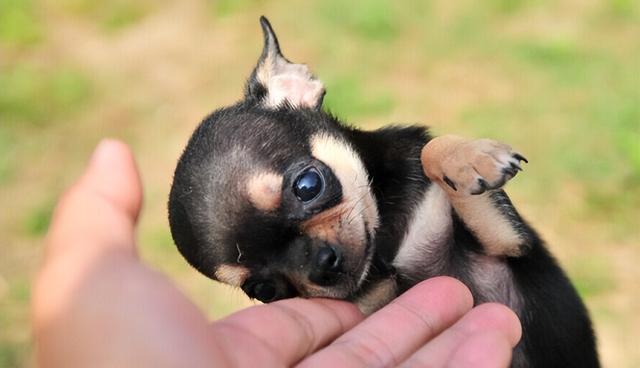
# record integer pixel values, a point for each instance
(472, 173)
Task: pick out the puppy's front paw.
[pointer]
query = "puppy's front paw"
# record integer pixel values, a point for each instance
(465, 166)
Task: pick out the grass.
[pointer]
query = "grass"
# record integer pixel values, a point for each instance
(38, 219)
(33, 98)
(13, 355)
(375, 20)
(38, 95)
(19, 23)
(14, 344)
(224, 8)
(7, 155)
(110, 16)
(592, 276)
(626, 9)
(556, 79)
(349, 98)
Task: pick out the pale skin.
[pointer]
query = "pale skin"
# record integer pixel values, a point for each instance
(95, 304)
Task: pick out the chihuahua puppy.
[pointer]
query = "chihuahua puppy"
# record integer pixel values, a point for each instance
(280, 198)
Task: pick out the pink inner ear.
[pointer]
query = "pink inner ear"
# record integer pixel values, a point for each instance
(295, 84)
(300, 92)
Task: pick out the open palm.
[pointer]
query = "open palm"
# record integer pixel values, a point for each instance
(95, 304)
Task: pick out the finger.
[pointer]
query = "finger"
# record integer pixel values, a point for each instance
(100, 210)
(284, 332)
(487, 349)
(393, 333)
(489, 317)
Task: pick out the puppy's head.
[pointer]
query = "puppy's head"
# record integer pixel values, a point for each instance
(270, 196)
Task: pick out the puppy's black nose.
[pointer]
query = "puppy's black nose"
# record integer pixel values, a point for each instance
(328, 259)
(327, 264)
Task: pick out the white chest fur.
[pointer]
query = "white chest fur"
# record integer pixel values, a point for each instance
(424, 253)
(427, 232)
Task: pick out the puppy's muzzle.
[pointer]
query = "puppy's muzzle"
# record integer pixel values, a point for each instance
(327, 266)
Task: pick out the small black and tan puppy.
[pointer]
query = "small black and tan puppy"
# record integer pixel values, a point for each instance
(278, 197)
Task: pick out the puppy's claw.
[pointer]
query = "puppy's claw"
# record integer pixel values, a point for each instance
(511, 172)
(450, 183)
(470, 167)
(519, 157)
(483, 186)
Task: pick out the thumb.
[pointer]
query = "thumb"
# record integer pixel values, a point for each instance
(99, 212)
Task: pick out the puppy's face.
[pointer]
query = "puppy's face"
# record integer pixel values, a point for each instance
(269, 196)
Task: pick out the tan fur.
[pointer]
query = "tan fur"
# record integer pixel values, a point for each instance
(436, 152)
(232, 274)
(463, 161)
(325, 225)
(490, 226)
(265, 190)
(378, 296)
(263, 74)
(334, 226)
(486, 167)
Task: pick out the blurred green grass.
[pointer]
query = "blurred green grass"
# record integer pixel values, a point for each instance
(110, 15)
(351, 98)
(36, 96)
(556, 79)
(19, 25)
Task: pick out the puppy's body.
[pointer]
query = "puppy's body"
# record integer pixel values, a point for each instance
(280, 198)
(435, 240)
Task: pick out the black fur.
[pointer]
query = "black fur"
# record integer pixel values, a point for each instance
(212, 225)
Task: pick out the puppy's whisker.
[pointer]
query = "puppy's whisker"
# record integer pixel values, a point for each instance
(350, 211)
(239, 259)
(359, 213)
(355, 204)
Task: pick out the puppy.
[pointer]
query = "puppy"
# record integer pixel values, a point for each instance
(280, 198)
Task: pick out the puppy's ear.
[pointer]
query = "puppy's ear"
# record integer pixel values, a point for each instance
(276, 81)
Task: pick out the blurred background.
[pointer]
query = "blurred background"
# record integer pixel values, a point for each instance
(558, 80)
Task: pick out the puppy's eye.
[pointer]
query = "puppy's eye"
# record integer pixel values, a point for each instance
(308, 185)
(264, 292)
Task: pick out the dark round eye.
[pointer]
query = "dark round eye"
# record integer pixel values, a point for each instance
(264, 292)
(308, 185)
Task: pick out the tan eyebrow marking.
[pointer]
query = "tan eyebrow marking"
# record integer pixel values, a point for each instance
(264, 190)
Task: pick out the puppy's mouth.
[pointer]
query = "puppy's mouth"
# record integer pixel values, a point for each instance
(368, 256)
(348, 281)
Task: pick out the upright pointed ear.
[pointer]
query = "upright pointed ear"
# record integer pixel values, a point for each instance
(276, 81)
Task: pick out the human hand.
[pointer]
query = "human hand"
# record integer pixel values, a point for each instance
(95, 304)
